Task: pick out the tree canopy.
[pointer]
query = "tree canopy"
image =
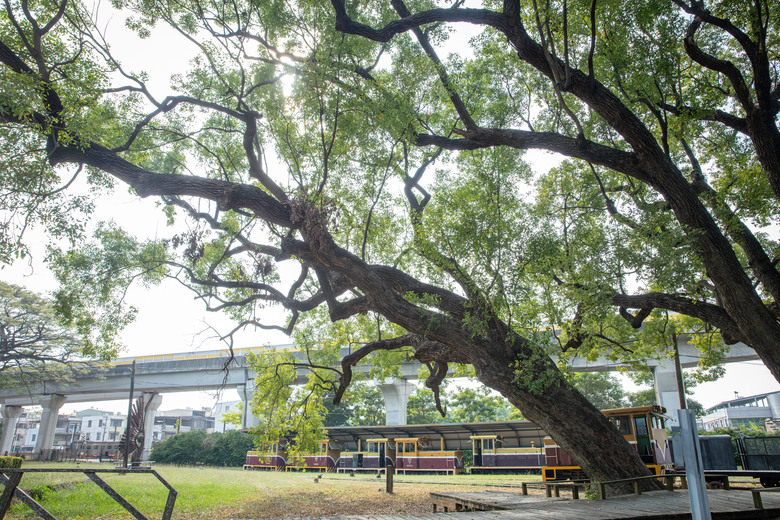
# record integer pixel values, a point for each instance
(34, 345)
(340, 140)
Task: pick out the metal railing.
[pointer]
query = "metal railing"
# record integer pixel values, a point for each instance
(11, 478)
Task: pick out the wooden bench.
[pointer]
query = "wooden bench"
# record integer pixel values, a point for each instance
(553, 487)
(757, 502)
(668, 480)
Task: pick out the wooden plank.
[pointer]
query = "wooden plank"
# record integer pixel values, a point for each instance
(725, 505)
(10, 486)
(28, 501)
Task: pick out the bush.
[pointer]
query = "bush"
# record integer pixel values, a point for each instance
(39, 493)
(229, 449)
(11, 462)
(198, 447)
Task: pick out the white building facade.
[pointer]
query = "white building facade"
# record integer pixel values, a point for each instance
(753, 412)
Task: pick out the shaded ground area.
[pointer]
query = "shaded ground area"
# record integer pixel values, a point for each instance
(222, 494)
(342, 495)
(226, 494)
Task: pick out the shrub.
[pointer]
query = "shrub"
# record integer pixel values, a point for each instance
(197, 447)
(11, 462)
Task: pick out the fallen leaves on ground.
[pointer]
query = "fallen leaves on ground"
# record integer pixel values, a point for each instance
(336, 496)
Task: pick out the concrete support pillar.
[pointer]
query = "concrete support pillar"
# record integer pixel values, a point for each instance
(245, 393)
(396, 394)
(51, 405)
(666, 393)
(152, 401)
(10, 415)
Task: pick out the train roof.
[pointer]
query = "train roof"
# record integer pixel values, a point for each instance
(515, 433)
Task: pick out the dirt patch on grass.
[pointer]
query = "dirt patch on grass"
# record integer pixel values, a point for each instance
(338, 496)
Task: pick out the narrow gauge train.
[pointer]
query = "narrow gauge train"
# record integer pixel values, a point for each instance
(416, 454)
(490, 456)
(277, 458)
(404, 454)
(642, 426)
(377, 455)
(274, 457)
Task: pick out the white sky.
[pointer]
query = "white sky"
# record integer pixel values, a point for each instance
(169, 320)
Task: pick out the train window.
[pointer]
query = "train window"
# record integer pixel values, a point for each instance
(487, 444)
(622, 423)
(640, 421)
(373, 447)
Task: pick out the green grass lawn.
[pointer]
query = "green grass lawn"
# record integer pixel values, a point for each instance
(211, 493)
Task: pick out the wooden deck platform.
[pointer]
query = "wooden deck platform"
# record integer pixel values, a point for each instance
(724, 505)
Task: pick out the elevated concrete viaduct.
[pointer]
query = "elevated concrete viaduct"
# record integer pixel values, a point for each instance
(207, 370)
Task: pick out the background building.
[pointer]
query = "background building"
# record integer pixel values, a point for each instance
(95, 427)
(219, 411)
(757, 411)
(169, 423)
(99, 425)
(26, 432)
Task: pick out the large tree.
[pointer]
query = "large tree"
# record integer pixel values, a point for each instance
(392, 178)
(34, 345)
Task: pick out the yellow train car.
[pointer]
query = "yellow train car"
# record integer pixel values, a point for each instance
(642, 426)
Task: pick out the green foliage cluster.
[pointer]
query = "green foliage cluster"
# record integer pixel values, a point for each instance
(282, 406)
(602, 389)
(478, 405)
(35, 343)
(10, 462)
(93, 280)
(199, 447)
(605, 391)
(345, 138)
(366, 407)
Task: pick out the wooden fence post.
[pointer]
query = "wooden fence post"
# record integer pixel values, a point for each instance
(389, 471)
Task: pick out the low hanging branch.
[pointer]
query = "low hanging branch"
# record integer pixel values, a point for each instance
(425, 351)
(433, 382)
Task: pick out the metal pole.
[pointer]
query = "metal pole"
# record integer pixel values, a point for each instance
(389, 471)
(679, 373)
(694, 469)
(129, 412)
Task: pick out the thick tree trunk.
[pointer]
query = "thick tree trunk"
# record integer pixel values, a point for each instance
(570, 419)
(520, 371)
